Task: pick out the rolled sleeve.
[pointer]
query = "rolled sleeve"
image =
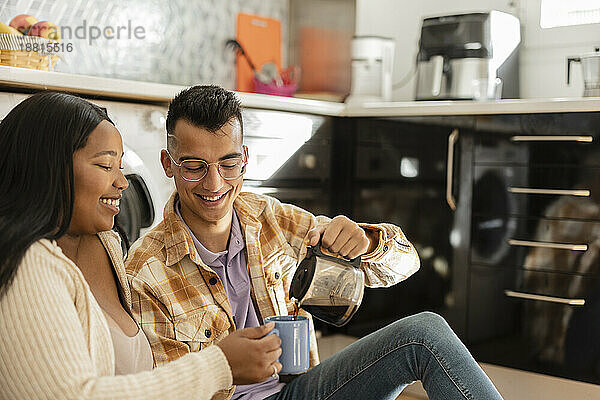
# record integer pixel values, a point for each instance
(393, 260)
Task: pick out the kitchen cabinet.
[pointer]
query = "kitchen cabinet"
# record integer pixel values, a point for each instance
(515, 267)
(535, 228)
(291, 157)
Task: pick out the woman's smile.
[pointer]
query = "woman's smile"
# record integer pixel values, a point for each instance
(111, 203)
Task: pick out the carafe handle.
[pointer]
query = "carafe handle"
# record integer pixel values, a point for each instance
(438, 73)
(317, 251)
(569, 61)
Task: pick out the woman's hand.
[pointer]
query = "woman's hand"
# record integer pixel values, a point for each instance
(252, 356)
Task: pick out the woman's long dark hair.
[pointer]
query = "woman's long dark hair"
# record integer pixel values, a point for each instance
(37, 141)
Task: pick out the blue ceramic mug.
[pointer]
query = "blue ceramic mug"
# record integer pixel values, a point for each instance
(294, 343)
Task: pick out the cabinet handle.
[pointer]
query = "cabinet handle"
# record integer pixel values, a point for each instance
(550, 299)
(548, 245)
(561, 192)
(585, 139)
(452, 138)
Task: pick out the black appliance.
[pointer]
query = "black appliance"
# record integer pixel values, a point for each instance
(468, 56)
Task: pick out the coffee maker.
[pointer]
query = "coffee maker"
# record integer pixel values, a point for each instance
(590, 64)
(468, 57)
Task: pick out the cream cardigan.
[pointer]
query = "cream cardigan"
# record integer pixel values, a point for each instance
(55, 342)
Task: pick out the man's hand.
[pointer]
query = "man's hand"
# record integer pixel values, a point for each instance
(342, 236)
(251, 355)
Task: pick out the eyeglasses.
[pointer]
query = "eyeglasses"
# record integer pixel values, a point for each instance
(196, 170)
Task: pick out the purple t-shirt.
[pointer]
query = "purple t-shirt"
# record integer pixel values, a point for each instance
(230, 266)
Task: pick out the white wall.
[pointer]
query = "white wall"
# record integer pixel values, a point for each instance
(544, 59)
(543, 52)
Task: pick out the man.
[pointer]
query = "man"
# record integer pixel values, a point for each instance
(222, 260)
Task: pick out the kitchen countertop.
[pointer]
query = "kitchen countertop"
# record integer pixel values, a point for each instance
(13, 77)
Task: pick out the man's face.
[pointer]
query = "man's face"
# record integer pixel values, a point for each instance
(210, 200)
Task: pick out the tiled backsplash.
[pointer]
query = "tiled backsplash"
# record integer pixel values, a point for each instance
(179, 42)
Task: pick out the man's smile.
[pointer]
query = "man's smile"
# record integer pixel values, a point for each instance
(212, 200)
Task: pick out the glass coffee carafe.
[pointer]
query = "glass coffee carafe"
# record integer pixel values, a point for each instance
(329, 288)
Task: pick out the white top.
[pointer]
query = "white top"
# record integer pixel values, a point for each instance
(132, 353)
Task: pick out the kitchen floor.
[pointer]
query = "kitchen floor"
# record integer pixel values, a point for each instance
(329, 345)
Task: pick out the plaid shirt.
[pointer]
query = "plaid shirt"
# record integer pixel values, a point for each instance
(182, 305)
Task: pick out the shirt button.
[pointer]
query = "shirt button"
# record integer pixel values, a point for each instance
(207, 333)
(385, 247)
(276, 275)
(212, 281)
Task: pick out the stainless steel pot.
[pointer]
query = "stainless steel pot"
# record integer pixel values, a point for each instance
(590, 64)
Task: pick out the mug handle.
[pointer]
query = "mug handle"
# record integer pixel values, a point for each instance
(275, 331)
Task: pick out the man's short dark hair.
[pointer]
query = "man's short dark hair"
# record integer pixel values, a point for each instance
(205, 106)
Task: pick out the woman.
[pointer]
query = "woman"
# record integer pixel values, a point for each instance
(64, 323)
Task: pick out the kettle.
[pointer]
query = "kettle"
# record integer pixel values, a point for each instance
(329, 288)
(590, 63)
(372, 67)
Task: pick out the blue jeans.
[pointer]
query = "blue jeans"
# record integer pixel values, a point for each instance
(379, 366)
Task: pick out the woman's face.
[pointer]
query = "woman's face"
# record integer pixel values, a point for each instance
(98, 181)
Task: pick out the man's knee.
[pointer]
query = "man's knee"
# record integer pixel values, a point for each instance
(427, 324)
(432, 319)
